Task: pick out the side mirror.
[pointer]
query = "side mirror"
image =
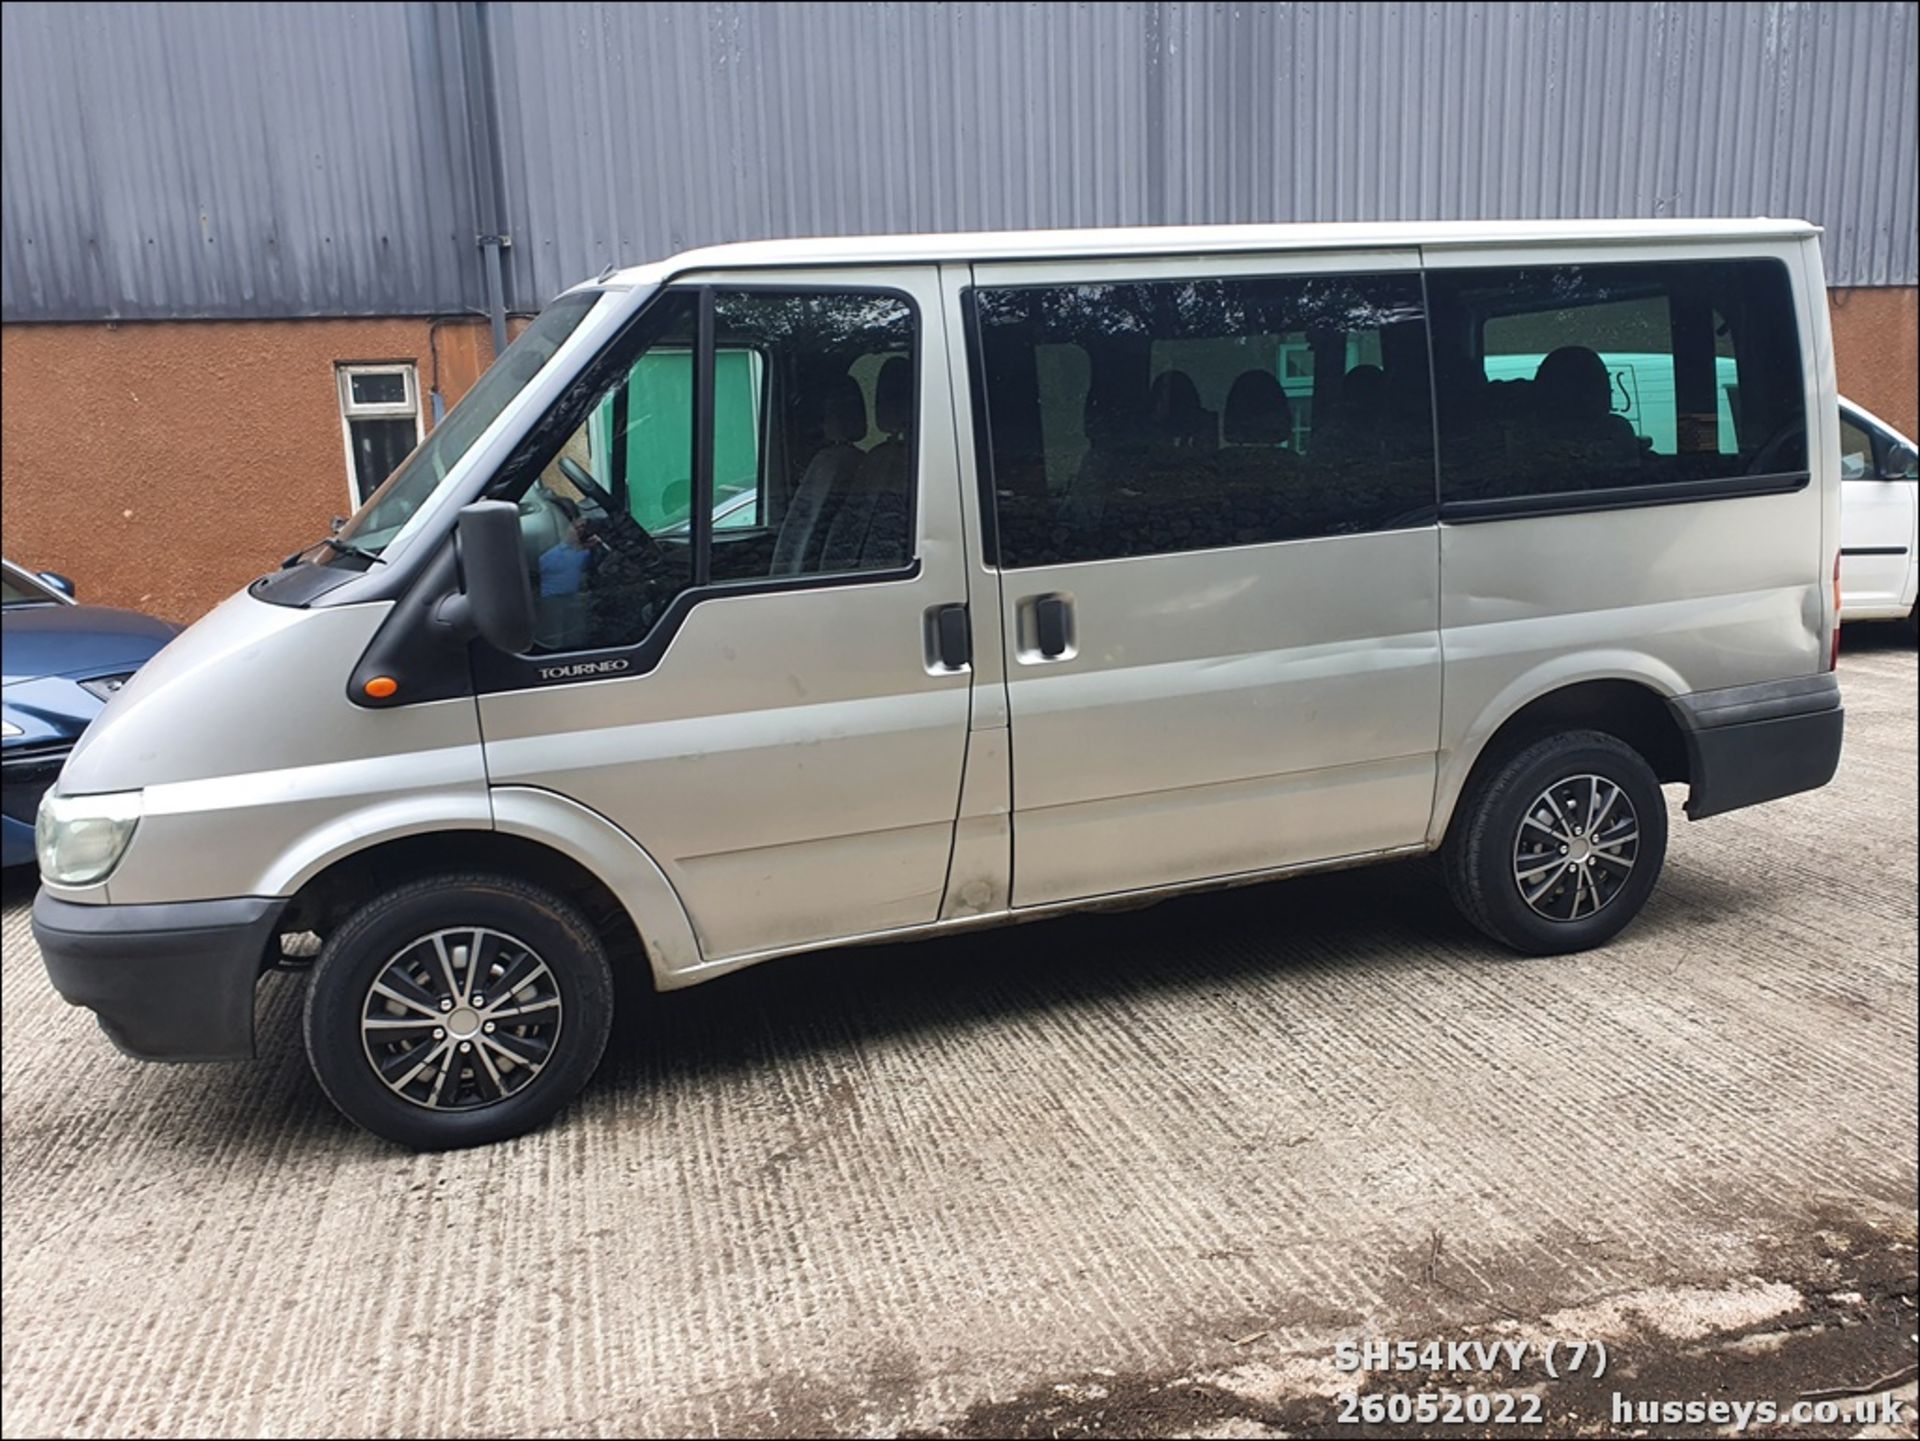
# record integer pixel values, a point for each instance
(495, 600)
(59, 582)
(1898, 464)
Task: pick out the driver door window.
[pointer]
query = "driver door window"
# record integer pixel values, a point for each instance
(645, 432)
(603, 526)
(810, 463)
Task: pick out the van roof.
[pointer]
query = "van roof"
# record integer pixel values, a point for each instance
(1008, 245)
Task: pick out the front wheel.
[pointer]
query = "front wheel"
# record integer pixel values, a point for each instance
(1558, 845)
(458, 1010)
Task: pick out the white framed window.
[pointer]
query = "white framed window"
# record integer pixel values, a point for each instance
(380, 420)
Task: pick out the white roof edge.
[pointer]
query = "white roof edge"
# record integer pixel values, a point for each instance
(1017, 245)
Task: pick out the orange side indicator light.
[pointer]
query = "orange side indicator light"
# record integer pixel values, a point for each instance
(382, 686)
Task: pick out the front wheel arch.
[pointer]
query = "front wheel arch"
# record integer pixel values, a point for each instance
(351, 880)
(458, 1008)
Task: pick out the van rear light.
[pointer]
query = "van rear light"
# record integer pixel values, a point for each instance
(1833, 655)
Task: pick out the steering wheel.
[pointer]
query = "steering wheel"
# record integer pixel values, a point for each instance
(617, 519)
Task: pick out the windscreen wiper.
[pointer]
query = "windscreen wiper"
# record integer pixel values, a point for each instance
(337, 545)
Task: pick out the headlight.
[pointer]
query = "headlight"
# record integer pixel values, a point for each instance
(8, 728)
(80, 839)
(104, 686)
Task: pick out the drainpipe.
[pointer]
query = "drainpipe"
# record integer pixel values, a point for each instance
(483, 144)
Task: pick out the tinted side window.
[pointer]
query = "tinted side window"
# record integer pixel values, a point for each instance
(1583, 377)
(646, 429)
(813, 460)
(813, 401)
(1142, 418)
(597, 525)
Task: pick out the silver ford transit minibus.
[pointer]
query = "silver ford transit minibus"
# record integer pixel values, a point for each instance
(784, 595)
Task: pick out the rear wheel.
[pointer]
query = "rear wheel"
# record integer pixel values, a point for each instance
(1558, 845)
(458, 1010)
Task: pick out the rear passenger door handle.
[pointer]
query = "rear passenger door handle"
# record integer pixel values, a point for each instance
(949, 638)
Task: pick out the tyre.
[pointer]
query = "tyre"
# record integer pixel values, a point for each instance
(458, 1010)
(1558, 844)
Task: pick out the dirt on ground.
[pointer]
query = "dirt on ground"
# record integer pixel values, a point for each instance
(1840, 1332)
(1112, 1175)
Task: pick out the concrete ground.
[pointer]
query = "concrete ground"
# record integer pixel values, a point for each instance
(1128, 1174)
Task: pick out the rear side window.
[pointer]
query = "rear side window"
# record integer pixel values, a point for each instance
(1558, 379)
(1136, 419)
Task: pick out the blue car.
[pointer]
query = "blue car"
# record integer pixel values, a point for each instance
(63, 661)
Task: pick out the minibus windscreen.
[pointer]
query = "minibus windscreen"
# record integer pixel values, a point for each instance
(403, 493)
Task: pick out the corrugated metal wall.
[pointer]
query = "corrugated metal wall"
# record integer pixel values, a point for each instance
(231, 160)
(318, 159)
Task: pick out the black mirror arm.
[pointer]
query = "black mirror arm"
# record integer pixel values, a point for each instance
(455, 614)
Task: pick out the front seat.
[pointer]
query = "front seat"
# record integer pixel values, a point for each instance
(828, 479)
(869, 530)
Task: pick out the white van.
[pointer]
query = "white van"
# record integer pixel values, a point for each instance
(785, 595)
(1879, 519)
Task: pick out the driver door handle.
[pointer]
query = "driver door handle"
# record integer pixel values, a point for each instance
(949, 638)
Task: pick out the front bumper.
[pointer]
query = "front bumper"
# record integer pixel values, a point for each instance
(1752, 743)
(167, 982)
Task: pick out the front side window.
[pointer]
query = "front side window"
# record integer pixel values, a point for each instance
(1143, 418)
(1856, 450)
(1554, 379)
(808, 465)
(603, 525)
(651, 422)
(1897, 458)
(812, 465)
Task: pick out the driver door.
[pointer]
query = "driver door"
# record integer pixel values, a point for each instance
(743, 517)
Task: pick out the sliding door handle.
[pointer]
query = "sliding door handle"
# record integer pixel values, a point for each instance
(1045, 628)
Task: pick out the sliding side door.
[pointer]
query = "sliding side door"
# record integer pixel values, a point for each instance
(1214, 491)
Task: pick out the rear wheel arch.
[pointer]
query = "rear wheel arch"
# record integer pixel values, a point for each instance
(1632, 711)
